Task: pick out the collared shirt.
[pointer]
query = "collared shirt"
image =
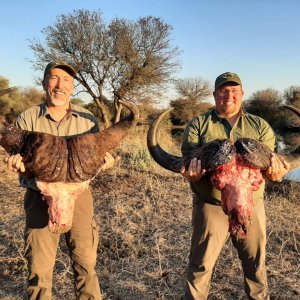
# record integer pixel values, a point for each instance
(38, 118)
(210, 126)
(77, 121)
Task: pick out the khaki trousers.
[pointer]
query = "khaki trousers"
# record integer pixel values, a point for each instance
(210, 232)
(41, 246)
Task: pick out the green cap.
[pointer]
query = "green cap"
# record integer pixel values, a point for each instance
(61, 65)
(227, 77)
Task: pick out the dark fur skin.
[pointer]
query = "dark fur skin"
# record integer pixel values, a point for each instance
(44, 155)
(57, 159)
(220, 152)
(254, 153)
(212, 154)
(234, 169)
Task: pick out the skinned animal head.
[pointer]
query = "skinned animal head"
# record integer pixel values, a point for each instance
(235, 169)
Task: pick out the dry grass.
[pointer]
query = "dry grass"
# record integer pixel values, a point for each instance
(144, 216)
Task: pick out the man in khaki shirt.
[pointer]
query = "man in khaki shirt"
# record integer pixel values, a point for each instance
(210, 223)
(57, 116)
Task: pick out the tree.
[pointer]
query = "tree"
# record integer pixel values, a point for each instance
(122, 60)
(266, 104)
(197, 89)
(4, 83)
(8, 105)
(291, 95)
(193, 94)
(12, 104)
(78, 101)
(32, 96)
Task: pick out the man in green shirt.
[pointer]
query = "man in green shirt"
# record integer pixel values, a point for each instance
(57, 116)
(210, 223)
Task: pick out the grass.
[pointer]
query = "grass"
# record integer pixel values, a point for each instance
(144, 214)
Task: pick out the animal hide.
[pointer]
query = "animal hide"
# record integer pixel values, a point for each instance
(64, 167)
(235, 169)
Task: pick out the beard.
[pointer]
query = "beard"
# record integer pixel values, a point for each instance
(58, 100)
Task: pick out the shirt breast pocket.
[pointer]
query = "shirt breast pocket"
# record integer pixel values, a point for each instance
(217, 134)
(250, 134)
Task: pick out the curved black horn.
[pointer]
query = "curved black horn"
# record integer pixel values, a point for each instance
(121, 129)
(212, 154)
(164, 159)
(295, 152)
(294, 109)
(76, 159)
(86, 152)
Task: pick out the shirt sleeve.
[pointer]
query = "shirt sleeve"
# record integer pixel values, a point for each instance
(21, 122)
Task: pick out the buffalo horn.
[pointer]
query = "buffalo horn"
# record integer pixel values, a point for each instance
(168, 161)
(294, 109)
(54, 158)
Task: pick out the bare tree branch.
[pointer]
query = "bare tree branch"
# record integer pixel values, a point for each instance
(122, 59)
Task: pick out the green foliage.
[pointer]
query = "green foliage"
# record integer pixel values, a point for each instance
(266, 104)
(139, 158)
(78, 101)
(134, 152)
(12, 104)
(93, 107)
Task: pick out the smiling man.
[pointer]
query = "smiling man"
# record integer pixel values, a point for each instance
(210, 223)
(228, 96)
(58, 84)
(58, 116)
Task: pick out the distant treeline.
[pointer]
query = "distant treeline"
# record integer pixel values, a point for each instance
(190, 102)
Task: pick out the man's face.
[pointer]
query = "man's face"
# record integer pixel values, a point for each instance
(228, 99)
(59, 86)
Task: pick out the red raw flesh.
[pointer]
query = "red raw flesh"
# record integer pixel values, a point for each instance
(60, 197)
(237, 181)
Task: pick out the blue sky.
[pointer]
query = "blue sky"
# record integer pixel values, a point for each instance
(258, 39)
